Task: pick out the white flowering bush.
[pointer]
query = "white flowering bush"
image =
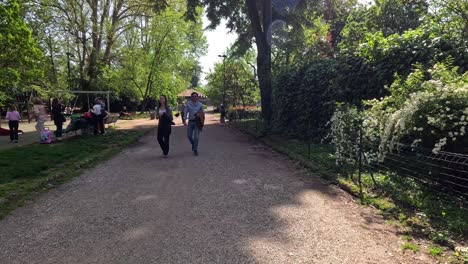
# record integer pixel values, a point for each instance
(429, 113)
(344, 133)
(428, 109)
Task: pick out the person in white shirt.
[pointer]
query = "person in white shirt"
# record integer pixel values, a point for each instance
(98, 117)
(40, 113)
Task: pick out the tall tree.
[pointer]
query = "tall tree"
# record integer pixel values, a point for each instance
(20, 58)
(241, 84)
(451, 17)
(93, 28)
(160, 55)
(251, 20)
(396, 16)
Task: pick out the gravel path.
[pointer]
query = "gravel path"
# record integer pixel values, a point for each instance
(238, 202)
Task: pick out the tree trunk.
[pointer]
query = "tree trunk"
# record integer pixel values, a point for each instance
(264, 78)
(263, 41)
(111, 34)
(92, 65)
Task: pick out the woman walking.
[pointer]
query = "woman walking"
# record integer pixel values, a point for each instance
(164, 114)
(40, 113)
(13, 118)
(58, 118)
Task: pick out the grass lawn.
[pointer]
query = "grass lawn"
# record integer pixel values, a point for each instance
(32, 169)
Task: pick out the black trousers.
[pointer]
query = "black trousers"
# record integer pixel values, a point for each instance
(163, 139)
(58, 132)
(13, 125)
(98, 124)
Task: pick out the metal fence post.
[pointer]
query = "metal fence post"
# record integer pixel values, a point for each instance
(360, 159)
(308, 140)
(256, 125)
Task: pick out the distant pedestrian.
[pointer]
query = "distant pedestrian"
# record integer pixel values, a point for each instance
(181, 109)
(58, 118)
(103, 107)
(40, 113)
(222, 111)
(164, 114)
(13, 118)
(98, 117)
(193, 108)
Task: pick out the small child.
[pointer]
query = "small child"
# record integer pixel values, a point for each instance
(13, 118)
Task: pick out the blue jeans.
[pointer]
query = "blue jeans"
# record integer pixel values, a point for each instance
(193, 134)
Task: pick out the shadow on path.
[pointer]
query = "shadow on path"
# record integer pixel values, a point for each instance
(238, 202)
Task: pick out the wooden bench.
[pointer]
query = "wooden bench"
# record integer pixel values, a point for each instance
(83, 126)
(111, 119)
(127, 115)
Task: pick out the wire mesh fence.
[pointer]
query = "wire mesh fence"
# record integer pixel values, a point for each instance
(443, 173)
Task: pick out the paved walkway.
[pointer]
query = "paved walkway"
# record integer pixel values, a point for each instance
(238, 202)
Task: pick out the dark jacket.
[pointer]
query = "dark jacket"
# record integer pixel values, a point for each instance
(168, 113)
(200, 119)
(57, 115)
(165, 121)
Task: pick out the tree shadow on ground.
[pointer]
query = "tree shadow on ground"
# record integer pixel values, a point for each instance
(237, 202)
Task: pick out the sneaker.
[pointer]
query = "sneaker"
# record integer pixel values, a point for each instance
(165, 156)
(15, 141)
(195, 152)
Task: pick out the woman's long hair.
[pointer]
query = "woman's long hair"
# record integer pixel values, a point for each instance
(55, 103)
(159, 101)
(37, 101)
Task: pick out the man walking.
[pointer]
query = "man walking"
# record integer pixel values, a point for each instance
(193, 108)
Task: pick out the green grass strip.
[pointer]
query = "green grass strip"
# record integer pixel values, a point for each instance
(29, 170)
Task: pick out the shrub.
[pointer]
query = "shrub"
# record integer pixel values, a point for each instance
(429, 113)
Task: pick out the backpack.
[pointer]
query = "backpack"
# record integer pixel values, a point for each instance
(46, 136)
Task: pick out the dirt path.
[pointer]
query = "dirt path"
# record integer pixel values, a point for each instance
(238, 202)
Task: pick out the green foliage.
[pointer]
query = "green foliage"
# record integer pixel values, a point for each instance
(371, 57)
(450, 17)
(21, 178)
(305, 109)
(110, 44)
(435, 251)
(344, 134)
(411, 246)
(241, 85)
(429, 113)
(20, 58)
(396, 16)
(159, 58)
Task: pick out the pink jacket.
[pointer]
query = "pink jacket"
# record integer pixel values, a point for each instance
(13, 116)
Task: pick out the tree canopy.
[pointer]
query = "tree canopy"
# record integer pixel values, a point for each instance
(20, 57)
(137, 49)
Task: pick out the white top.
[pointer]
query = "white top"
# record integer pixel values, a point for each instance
(96, 109)
(161, 111)
(40, 111)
